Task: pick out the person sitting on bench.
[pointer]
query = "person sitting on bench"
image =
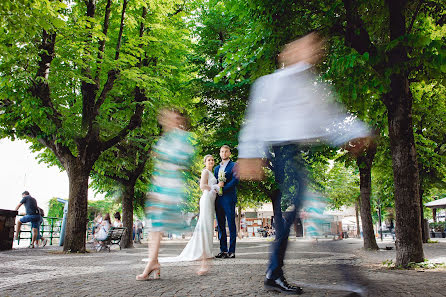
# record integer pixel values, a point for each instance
(101, 233)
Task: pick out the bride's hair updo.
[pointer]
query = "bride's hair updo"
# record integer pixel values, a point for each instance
(206, 157)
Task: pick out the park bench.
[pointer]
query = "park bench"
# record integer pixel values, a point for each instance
(114, 236)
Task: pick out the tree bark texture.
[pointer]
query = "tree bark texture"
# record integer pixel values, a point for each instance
(409, 246)
(127, 214)
(364, 163)
(75, 233)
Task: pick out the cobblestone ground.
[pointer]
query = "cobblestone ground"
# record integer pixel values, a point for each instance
(49, 272)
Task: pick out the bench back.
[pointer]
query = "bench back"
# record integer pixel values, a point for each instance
(115, 233)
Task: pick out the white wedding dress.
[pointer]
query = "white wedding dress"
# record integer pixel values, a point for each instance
(200, 243)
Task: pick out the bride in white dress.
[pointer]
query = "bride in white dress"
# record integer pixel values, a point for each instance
(199, 246)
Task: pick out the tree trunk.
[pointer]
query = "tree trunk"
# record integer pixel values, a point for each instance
(75, 233)
(409, 246)
(358, 228)
(364, 163)
(127, 214)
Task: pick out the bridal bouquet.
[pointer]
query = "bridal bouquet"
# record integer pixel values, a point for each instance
(221, 178)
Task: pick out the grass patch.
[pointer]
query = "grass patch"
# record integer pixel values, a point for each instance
(432, 241)
(426, 264)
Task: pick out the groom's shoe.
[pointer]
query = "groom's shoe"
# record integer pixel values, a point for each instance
(230, 255)
(281, 285)
(222, 255)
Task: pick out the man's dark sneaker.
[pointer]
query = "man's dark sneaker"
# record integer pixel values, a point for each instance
(222, 255)
(230, 255)
(281, 285)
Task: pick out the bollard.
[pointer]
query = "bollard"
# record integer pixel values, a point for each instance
(7, 224)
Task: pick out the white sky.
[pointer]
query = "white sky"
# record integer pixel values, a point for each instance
(21, 171)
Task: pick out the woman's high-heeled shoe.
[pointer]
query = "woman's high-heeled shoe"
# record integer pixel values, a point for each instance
(204, 268)
(155, 273)
(203, 271)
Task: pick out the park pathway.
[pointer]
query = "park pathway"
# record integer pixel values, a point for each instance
(49, 272)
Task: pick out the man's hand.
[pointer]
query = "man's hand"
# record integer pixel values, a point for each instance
(358, 145)
(221, 184)
(250, 169)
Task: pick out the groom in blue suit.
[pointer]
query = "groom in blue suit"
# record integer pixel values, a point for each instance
(225, 203)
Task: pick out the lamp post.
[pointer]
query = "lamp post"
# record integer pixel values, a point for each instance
(64, 220)
(379, 217)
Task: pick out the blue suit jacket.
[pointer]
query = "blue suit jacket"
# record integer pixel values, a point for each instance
(229, 189)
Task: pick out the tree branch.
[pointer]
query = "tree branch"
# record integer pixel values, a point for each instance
(40, 87)
(112, 74)
(135, 121)
(102, 41)
(420, 3)
(356, 36)
(88, 89)
(62, 152)
(121, 29)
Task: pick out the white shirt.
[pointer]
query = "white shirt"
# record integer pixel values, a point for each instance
(223, 165)
(291, 106)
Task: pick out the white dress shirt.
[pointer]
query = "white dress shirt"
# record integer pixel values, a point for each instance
(223, 166)
(291, 106)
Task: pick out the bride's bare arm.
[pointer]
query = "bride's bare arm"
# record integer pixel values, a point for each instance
(204, 180)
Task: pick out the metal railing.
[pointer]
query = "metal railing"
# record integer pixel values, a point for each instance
(49, 229)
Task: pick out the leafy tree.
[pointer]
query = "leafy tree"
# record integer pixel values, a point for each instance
(76, 77)
(118, 171)
(393, 51)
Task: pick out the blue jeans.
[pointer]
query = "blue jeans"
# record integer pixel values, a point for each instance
(290, 177)
(34, 219)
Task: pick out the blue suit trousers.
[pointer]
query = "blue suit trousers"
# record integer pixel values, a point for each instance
(290, 177)
(225, 211)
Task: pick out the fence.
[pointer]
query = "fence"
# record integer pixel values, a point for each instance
(49, 229)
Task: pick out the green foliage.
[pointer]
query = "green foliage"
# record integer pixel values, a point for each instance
(438, 226)
(107, 205)
(432, 241)
(55, 208)
(342, 185)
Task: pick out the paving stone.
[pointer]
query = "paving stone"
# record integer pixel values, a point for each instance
(49, 272)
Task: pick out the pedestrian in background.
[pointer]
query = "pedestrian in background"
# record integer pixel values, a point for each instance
(32, 216)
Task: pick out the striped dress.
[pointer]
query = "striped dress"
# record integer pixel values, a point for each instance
(167, 191)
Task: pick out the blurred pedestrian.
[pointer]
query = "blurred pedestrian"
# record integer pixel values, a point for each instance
(288, 111)
(173, 155)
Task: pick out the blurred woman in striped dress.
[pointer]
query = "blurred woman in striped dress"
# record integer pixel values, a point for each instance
(173, 154)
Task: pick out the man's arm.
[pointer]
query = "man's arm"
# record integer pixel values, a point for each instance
(250, 169)
(234, 181)
(18, 206)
